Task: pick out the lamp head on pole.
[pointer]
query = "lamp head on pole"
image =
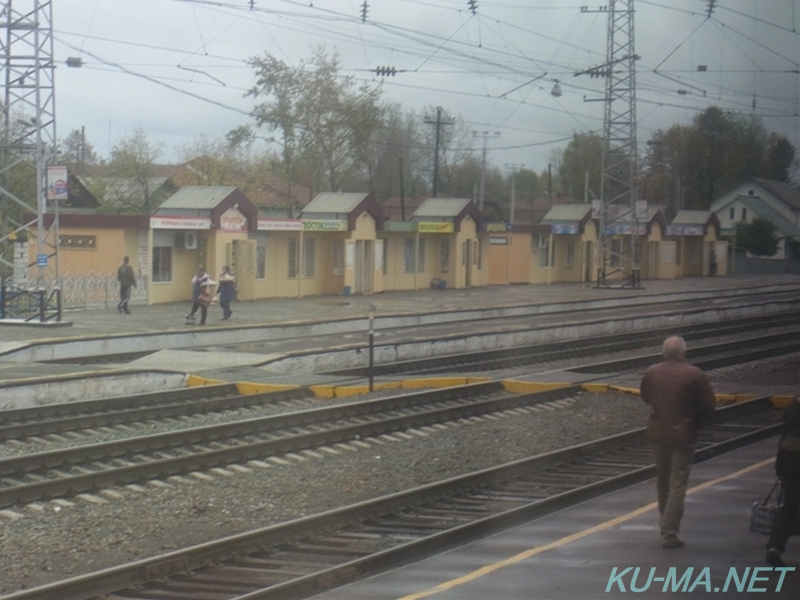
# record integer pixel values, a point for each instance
(556, 91)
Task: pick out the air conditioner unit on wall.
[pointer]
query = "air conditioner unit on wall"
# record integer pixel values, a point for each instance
(188, 240)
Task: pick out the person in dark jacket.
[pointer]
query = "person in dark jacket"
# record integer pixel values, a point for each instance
(127, 280)
(681, 401)
(787, 467)
(227, 290)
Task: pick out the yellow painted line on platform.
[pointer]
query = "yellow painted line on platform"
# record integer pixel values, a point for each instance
(516, 386)
(197, 381)
(249, 388)
(522, 556)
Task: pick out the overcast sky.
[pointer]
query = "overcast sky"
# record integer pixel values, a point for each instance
(178, 68)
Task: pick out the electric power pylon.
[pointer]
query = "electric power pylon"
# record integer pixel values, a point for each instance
(617, 211)
(28, 140)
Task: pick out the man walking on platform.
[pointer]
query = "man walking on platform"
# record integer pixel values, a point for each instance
(681, 401)
(127, 280)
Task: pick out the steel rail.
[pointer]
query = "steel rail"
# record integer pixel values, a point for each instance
(304, 556)
(70, 416)
(525, 355)
(454, 403)
(103, 412)
(191, 459)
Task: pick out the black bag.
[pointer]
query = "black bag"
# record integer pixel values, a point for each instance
(762, 516)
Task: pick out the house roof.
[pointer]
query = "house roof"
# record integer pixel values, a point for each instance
(785, 191)
(561, 213)
(441, 208)
(761, 208)
(335, 202)
(122, 188)
(692, 217)
(394, 211)
(197, 197)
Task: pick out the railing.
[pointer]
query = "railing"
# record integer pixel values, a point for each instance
(76, 292)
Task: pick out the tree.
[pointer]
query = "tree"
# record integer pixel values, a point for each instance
(327, 124)
(780, 158)
(126, 181)
(76, 153)
(759, 237)
(583, 154)
(229, 161)
(688, 166)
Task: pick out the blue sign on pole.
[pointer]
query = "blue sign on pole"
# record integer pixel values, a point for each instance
(41, 260)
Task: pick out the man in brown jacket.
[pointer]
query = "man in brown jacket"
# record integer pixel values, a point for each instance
(681, 401)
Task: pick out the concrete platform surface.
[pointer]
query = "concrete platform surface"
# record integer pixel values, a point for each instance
(592, 551)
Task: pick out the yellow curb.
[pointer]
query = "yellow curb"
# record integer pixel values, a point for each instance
(625, 390)
(744, 397)
(595, 388)
(323, 391)
(725, 397)
(435, 382)
(341, 391)
(196, 381)
(530, 387)
(249, 388)
(781, 401)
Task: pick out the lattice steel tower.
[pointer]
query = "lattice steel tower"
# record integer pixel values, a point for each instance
(618, 194)
(28, 138)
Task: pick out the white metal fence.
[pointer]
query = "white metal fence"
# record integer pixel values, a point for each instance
(97, 291)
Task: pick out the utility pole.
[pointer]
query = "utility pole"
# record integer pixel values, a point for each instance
(26, 60)
(514, 169)
(438, 122)
(486, 135)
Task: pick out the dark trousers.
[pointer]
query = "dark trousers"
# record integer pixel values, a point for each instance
(226, 308)
(787, 515)
(203, 311)
(124, 296)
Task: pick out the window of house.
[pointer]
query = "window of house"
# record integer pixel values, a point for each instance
(162, 264)
(444, 256)
(480, 253)
(385, 257)
(744, 213)
(421, 256)
(571, 255)
(544, 254)
(261, 260)
(732, 214)
(408, 255)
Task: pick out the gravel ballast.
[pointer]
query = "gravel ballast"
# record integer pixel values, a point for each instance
(56, 540)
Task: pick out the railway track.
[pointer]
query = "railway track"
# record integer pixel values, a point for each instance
(560, 354)
(84, 468)
(48, 419)
(305, 556)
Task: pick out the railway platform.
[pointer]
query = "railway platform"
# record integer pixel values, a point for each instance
(175, 348)
(156, 319)
(593, 550)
